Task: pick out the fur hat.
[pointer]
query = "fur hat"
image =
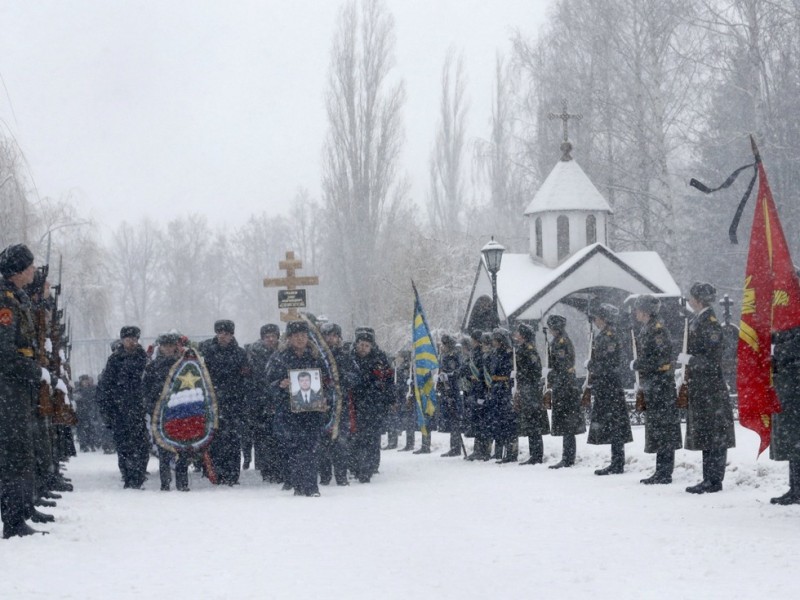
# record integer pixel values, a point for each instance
(608, 312)
(270, 328)
(130, 331)
(225, 326)
(447, 340)
(556, 322)
(501, 335)
(168, 338)
(293, 327)
(526, 332)
(647, 304)
(15, 259)
(331, 329)
(365, 334)
(703, 292)
(476, 334)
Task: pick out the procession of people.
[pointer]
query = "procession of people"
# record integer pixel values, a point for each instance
(307, 409)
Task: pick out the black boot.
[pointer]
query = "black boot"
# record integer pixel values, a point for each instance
(426, 445)
(793, 495)
(20, 530)
(40, 517)
(44, 503)
(617, 465)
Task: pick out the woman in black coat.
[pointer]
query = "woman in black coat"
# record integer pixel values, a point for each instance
(709, 415)
(609, 423)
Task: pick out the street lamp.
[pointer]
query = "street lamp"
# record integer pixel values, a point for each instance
(493, 256)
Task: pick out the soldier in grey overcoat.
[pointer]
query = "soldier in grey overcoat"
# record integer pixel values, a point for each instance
(567, 418)
(709, 415)
(609, 423)
(662, 433)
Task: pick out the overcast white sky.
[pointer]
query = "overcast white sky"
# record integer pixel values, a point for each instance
(163, 108)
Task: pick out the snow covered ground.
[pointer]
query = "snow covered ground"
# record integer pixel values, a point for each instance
(426, 527)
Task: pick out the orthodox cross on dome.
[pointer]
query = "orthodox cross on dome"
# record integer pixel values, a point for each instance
(726, 303)
(565, 116)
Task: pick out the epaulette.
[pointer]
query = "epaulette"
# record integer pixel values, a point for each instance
(9, 294)
(561, 340)
(609, 333)
(713, 319)
(658, 326)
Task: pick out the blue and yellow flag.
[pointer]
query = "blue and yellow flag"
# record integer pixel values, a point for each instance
(425, 363)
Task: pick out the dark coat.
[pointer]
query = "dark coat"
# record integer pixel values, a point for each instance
(610, 423)
(302, 431)
(568, 416)
(475, 393)
(370, 380)
(786, 377)
(259, 401)
(533, 419)
(502, 419)
(19, 381)
(155, 376)
(449, 392)
(230, 374)
(709, 416)
(654, 363)
(120, 392)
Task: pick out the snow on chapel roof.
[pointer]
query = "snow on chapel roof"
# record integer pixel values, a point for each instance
(567, 188)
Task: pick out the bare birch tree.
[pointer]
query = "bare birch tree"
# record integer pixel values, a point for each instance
(360, 183)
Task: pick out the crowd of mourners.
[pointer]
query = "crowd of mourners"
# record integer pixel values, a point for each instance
(492, 386)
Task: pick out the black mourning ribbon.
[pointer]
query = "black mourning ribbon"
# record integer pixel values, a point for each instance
(728, 182)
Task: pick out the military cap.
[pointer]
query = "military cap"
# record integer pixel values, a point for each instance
(365, 334)
(556, 322)
(15, 259)
(647, 304)
(225, 326)
(130, 331)
(501, 335)
(293, 327)
(447, 340)
(476, 334)
(331, 329)
(270, 328)
(608, 312)
(168, 338)
(703, 292)
(526, 331)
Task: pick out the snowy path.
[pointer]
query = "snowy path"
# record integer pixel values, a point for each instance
(427, 527)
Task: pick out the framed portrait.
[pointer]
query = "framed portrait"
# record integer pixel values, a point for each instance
(305, 391)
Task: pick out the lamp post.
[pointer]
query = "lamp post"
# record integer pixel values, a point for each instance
(493, 255)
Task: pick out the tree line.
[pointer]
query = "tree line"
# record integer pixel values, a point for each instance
(667, 90)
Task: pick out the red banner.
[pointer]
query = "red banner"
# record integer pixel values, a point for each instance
(771, 303)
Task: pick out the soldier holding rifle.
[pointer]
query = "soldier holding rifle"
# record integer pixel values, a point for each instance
(654, 365)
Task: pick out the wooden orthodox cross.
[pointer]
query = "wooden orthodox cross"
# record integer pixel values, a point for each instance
(565, 116)
(290, 282)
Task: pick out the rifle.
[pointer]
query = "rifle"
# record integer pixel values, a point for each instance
(683, 377)
(641, 406)
(64, 414)
(515, 401)
(547, 393)
(45, 402)
(586, 396)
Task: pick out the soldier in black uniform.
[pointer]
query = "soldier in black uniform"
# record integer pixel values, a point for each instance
(503, 422)
(120, 390)
(155, 376)
(533, 419)
(654, 363)
(261, 408)
(19, 380)
(475, 377)
(568, 420)
(609, 422)
(709, 416)
(230, 374)
(301, 431)
(449, 394)
(785, 444)
(334, 452)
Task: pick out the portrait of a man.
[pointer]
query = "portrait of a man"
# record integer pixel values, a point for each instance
(306, 394)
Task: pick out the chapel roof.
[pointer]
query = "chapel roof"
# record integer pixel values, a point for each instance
(567, 187)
